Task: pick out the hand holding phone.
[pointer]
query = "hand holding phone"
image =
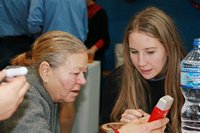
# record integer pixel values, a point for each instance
(162, 108)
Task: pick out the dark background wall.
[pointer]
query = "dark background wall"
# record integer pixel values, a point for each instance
(186, 17)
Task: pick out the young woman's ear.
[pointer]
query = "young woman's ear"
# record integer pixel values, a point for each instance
(44, 70)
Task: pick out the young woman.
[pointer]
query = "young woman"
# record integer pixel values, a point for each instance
(152, 53)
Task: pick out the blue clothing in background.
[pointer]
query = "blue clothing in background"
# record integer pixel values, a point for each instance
(15, 37)
(65, 15)
(13, 17)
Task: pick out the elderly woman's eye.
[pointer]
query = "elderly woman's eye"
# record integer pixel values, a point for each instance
(76, 73)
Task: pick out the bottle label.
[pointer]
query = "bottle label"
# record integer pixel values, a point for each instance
(190, 80)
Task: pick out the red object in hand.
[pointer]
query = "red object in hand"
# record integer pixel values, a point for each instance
(162, 108)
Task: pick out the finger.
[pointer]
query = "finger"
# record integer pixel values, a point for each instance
(136, 112)
(141, 111)
(125, 120)
(17, 83)
(2, 75)
(6, 115)
(24, 89)
(127, 117)
(163, 129)
(3, 83)
(19, 102)
(157, 123)
(144, 119)
(152, 127)
(159, 130)
(146, 114)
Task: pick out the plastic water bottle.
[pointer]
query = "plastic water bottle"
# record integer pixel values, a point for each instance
(190, 87)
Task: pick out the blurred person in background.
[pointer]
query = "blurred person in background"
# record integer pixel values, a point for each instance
(63, 15)
(15, 37)
(98, 38)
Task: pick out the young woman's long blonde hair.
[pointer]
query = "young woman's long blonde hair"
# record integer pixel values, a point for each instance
(155, 23)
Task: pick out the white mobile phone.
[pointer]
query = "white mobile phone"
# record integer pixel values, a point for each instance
(11, 72)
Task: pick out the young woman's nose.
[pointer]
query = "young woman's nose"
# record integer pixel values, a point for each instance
(141, 60)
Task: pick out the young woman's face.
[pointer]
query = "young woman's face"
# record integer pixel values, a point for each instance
(65, 82)
(147, 54)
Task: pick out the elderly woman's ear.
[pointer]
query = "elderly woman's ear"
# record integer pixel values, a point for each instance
(44, 71)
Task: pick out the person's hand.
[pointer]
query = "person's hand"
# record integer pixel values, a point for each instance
(92, 50)
(132, 114)
(12, 92)
(142, 126)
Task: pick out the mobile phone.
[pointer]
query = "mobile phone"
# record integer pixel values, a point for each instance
(162, 108)
(11, 72)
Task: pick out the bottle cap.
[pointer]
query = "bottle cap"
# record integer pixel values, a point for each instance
(196, 41)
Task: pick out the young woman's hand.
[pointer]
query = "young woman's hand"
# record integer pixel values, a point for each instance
(132, 114)
(143, 126)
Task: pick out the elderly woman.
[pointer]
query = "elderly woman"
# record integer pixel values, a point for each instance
(56, 65)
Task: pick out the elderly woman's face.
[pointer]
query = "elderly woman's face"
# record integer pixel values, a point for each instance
(65, 82)
(147, 54)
